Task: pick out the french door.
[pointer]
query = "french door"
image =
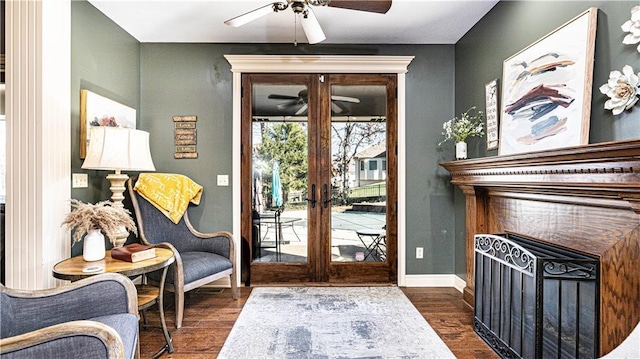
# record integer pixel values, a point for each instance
(319, 176)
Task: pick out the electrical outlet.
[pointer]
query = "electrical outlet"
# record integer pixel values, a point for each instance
(419, 253)
(79, 180)
(223, 180)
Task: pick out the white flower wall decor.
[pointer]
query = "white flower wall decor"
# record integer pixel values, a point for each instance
(632, 26)
(623, 90)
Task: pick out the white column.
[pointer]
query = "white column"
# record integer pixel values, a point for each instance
(38, 42)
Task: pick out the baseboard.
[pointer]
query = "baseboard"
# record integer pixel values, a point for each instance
(435, 280)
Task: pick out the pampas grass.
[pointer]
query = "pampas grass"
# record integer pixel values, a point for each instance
(102, 215)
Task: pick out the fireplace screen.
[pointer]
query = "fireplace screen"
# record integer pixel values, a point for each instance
(535, 300)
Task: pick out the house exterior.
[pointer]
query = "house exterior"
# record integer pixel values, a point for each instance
(370, 166)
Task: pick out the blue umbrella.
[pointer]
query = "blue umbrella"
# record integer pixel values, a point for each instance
(276, 186)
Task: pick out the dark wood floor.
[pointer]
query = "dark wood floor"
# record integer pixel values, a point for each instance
(210, 315)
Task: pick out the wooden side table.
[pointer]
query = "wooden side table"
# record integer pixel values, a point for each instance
(76, 268)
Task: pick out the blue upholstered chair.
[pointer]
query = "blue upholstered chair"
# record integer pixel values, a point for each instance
(201, 258)
(96, 317)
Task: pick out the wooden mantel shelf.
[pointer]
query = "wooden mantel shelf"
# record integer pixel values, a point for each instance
(585, 198)
(606, 170)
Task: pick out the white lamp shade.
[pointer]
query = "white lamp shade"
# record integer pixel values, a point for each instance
(116, 148)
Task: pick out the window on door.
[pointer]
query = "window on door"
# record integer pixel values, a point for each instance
(314, 149)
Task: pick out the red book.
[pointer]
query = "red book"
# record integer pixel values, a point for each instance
(134, 252)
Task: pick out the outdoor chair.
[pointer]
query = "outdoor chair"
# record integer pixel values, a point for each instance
(200, 258)
(96, 317)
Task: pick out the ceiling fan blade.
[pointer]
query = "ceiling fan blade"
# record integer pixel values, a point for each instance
(286, 106)
(311, 27)
(378, 6)
(302, 109)
(282, 97)
(251, 15)
(345, 99)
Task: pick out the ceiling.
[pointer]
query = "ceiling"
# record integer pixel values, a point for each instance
(202, 21)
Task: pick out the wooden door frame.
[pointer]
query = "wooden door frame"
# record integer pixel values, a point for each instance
(276, 272)
(320, 64)
(369, 272)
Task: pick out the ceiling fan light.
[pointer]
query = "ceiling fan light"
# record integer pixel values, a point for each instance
(297, 7)
(312, 28)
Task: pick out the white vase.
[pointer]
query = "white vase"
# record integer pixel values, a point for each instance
(461, 150)
(93, 248)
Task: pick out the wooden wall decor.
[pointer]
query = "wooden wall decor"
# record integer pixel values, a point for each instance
(185, 137)
(585, 198)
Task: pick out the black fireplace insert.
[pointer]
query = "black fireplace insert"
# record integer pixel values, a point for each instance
(534, 299)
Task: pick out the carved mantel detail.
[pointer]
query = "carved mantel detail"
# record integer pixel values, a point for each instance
(607, 171)
(585, 198)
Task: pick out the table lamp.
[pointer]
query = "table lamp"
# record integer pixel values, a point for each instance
(118, 149)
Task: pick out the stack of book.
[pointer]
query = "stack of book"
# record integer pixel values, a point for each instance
(134, 252)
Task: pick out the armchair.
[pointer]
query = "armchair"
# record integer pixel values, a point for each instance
(201, 258)
(96, 317)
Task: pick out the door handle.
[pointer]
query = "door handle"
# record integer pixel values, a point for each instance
(312, 200)
(325, 195)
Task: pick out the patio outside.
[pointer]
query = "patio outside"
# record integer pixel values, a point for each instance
(345, 241)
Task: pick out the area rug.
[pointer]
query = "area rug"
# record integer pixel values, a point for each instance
(331, 322)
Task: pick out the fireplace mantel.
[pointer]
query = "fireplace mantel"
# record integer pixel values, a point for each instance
(601, 171)
(584, 198)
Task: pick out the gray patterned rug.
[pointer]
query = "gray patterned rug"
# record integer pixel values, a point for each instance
(331, 322)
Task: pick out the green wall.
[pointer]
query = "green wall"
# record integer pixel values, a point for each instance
(163, 80)
(105, 60)
(513, 25)
(195, 79)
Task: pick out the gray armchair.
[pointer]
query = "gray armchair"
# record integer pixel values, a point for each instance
(96, 317)
(201, 258)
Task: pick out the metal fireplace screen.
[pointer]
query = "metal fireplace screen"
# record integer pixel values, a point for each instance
(534, 300)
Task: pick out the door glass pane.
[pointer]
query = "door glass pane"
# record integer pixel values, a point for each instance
(280, 166)
(359, 173)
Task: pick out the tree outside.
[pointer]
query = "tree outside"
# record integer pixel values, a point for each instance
(348, 139)
(286, 144)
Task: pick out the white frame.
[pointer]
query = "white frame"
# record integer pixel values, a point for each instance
(322, 64)
(491, 113)
(561, 61)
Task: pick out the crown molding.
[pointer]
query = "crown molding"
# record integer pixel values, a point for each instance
(318, 63)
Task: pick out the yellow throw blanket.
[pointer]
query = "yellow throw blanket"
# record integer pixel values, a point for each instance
(170, 193)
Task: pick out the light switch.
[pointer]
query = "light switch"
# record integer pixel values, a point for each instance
(79, 180)
(223, 180)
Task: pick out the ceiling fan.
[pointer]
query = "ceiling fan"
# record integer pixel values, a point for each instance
(302, 102)
(310, 23)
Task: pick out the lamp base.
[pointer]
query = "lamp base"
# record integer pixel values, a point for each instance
(117, 188)
(120, 238)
